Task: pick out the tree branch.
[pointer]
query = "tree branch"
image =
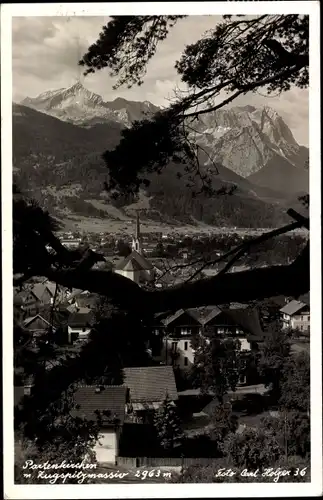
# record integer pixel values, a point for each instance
(289, 280)
(244, 89)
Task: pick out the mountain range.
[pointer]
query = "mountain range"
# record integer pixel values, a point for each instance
(59, 138)
(79, 106)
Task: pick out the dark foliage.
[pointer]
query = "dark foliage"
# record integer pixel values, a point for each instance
(216, 366)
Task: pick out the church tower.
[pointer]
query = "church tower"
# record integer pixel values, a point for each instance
(136, 241)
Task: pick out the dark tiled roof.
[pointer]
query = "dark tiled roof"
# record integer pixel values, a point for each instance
(215, 311)
(112, 398)
(141, 261)
(39, 289)
(150, 383)
(79, 319)
(194, 313)
(167, 321)
(248, 320)
(28, 321)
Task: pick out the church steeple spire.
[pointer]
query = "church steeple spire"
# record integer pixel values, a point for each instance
(136, 241)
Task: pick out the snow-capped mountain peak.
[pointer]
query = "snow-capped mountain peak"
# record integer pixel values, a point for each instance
(78, 105)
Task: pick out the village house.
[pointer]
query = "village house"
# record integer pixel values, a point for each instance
(31, 300)
(27, 303)
(148, 387)
(172, 334)
(40, 324)
(79, 325)
(110, 401)
(171, 342)
(296, 315)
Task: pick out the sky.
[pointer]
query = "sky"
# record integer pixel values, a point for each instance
(45, 52)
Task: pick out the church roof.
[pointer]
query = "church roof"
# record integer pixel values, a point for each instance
(138, 262)
(132, 265)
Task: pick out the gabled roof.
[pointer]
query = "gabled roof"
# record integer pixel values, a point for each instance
(215, 311)
(132, 265)
(51, 287)
(292, 307)
(248, 320)
(194, 313)
(24, 294)
(111, 398)
(39, 289)
(167, 321)
(73, 308)
(150, 383)
(28, 321)
(76, 293)
(143, 263)
(60, 316)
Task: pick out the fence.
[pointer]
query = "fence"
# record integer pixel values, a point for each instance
(164, 461)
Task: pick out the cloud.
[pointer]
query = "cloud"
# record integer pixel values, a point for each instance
(46, 51)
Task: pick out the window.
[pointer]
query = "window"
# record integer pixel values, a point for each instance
(174, 346)
(185, 346)
(186, 331)
(185, 361)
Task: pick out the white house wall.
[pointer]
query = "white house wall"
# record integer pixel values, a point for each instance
(106, 448)
(297, 322)
(82, 334)
(166, 357)
(245, 345)
(131, 275)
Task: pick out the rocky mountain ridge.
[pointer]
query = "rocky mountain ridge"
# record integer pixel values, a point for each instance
(59, 138)
(79, 106)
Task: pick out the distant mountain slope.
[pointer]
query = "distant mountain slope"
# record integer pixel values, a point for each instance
(48, 151)
(57, 153)
(282, 175)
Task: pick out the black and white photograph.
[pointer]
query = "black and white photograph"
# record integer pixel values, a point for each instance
(161, 300)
